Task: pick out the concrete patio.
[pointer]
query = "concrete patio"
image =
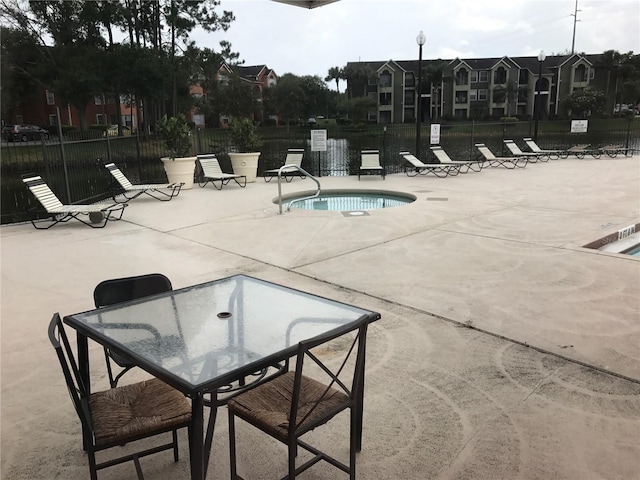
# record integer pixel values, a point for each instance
(490, 361)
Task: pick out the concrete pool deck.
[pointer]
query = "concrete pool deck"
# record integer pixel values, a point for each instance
(489, 361)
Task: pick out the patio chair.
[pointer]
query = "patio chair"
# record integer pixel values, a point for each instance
(370, 163)
(292, 160)
(506, 162)
(515, 151)
(121, 415)
(212, 173)
(613, 150)
(310, 402)
(444, 159)
(118, 290)
(413, 166)
(582, 150)
(161, 191)
(553, 154)
(98, 213)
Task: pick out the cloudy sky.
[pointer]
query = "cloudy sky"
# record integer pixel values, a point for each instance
(296, 40)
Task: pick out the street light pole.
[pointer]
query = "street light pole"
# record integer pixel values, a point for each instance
(420, 40)
(536, 105)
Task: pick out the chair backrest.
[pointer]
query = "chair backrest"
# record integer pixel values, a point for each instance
(370, 158)
(485, 151)
(210, 165)
(75, 385)
(513, 148)
(118, 290)
(532, 145)
(43, 193)
(294, 157)
(119, 176)
(412, 159)
(345, 380)
(441, 155)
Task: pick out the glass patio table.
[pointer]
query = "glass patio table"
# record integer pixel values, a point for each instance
(203, 337)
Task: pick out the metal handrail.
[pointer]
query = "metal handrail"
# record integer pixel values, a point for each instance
(304, 172)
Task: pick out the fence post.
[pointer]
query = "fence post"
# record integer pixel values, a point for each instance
(473, 132)
(64, 157)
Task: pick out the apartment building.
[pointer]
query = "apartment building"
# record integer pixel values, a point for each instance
(471, 88)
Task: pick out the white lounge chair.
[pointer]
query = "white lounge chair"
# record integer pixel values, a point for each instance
(553, 154)
(160, 191)
(370, 163)
(506, 162)
(515, 150)
(212, 173)
(289, 170)
(441, 155)
(415, 166)
(98, 213)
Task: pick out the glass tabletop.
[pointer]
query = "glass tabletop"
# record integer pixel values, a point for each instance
(205, 335)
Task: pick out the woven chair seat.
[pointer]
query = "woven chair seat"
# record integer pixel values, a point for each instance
(268, 406)
(131, 411)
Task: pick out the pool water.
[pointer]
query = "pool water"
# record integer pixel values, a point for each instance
(351, 201)
(635, 251)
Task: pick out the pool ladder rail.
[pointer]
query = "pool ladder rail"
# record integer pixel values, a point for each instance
(304, 172)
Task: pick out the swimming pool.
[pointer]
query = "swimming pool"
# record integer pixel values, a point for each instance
(635, 251)
(350, 200)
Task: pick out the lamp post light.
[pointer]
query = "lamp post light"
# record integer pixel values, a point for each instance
(420, 40)
(537, 104)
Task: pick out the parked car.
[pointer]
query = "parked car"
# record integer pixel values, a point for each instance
(23, 133)
(112, 131)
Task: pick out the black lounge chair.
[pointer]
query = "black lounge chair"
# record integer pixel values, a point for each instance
(444, 159)
(160, 191)
(288, 170)
(506, 162)
(552, 154)
(98, 213)
(212, 173)
(532, 156)
(413, 166)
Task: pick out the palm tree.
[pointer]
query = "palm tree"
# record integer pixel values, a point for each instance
(610, 60)
(337, 74)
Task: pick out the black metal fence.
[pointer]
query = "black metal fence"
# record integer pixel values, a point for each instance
(73, 167)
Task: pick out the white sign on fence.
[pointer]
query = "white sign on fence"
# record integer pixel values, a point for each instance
(435, 134)
(579, 126)
(318, 140)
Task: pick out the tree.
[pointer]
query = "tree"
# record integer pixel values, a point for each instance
(288, 98)
(357, 76)
(584, 103)
(336, 74)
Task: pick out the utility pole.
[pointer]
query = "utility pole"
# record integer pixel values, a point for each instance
(575, 20)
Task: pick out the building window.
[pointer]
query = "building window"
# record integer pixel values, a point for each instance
(483, 76)
(460, 113)
(409, 80)
(409, 115)
(500, 76)
(372, 117)
(385, 79)
(97, 100)
(474, 76)
(462, 77)
(592, 73)
(385, 117)
(580, 74)
(473, 94)
(523, 77)
(101, 119)
(53, 119)
(461, 97)
(385, 99)
(483, 94)
(409, 98)
(51, 98)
